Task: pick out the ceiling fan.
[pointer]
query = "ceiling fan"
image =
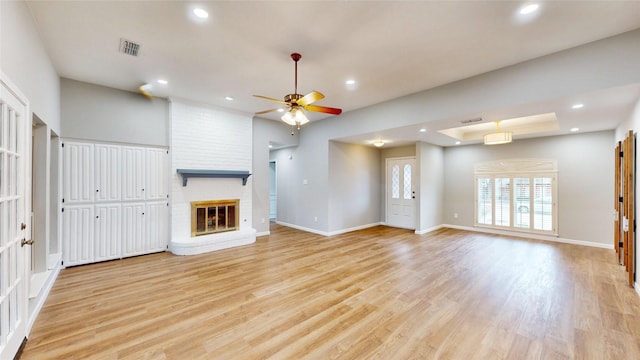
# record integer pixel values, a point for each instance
(296, 103)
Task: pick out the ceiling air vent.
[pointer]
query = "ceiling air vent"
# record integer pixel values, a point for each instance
(129, 47)
(471, 121)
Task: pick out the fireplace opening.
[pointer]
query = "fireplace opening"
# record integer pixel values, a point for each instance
(214, 216)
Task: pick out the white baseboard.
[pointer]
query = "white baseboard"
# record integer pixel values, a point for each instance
(42, 296)
(459, 227)
(531, 236)
(325, 233)
(297, 227)
(637, 287)
(263, 233)
(428, 230)
(343, 231)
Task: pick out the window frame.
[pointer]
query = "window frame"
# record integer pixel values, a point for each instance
(517, 169)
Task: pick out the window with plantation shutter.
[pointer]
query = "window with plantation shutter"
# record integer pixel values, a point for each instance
(517, 194)
(484, 211)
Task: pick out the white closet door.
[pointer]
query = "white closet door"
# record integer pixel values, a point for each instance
(156, 174)
(157, 226)
(107, 169)
(133, 173)
(108, 232)
(77, 173)
(77, 234)
(133, 229)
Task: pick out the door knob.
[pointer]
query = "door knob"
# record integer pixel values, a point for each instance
(23, 226)
(24, 242)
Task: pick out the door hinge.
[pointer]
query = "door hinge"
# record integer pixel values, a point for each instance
(620, 244)
(620, 199)
(62, 144)
(62, 209)
(621, 154)
(63, 200)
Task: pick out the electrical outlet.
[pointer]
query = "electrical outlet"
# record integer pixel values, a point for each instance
(455, 215)
(315, 219)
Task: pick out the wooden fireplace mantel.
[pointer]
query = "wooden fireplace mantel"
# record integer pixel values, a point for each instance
(197, 173)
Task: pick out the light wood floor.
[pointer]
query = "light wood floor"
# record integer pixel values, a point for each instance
(380, 293)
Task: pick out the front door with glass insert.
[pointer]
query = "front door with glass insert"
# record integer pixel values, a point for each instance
(401, 193)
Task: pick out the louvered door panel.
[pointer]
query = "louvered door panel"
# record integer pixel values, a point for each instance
(77, 173)
(77, 234)
(157, 226)
(108, 232)
(108, 173)
(156, 174)
(133, 173)
(133, 229)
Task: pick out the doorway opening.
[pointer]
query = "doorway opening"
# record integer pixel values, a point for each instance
(273, 193)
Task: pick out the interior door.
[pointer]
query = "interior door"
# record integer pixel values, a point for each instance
(14, 208)
(624, 223)
(401, 192)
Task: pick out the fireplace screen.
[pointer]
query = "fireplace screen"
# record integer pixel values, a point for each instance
(208, 217)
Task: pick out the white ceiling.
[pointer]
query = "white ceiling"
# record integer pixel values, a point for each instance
(391, 48)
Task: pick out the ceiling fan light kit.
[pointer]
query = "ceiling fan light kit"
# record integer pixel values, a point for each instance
(295, 117)
(295, 103)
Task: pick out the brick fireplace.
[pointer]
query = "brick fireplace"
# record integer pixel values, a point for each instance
(208, 141)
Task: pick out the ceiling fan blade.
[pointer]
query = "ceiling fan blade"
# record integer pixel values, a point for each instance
(266, 111)
(270, 99)
(323, 109)
(310, 98)
(145, 90)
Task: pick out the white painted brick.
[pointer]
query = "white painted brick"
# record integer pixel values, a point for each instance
(204, 137)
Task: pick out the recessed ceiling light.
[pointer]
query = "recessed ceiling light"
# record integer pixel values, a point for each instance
(423, 130)
(281, 110)
(577, 106)
(457, 142)
(270, 146)
(350, 82)
(163, 82)
(228, 98)
(201, 13)
(574, 129)
(528, 9)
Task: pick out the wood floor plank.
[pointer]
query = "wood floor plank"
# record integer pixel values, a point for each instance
(378, 293)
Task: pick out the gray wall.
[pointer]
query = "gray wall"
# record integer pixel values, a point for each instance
(265, 131)
(24, 60)
(430, 194)
(94, 112)
(585, 180)
(354, 180)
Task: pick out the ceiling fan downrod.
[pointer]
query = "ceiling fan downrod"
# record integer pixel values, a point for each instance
(296, 57)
